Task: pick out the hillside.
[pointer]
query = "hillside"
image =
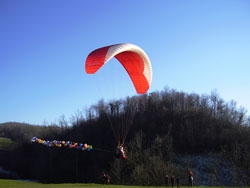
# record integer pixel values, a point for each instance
(166, 132)
(23, 132)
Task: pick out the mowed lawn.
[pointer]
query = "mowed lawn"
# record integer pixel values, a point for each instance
(24, 184)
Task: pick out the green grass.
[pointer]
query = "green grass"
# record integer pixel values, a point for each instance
(6, 144)
(23, 184)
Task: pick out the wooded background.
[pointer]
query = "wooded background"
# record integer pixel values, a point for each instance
(160, 125)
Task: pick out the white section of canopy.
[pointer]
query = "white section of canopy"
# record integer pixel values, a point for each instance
(119, 48)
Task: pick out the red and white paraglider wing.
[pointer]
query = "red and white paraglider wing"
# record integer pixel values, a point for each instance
(133, 59)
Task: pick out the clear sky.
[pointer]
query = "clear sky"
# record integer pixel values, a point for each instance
(194, 46)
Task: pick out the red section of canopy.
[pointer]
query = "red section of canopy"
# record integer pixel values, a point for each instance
(134, 65)
(95, 60)
(131, 61)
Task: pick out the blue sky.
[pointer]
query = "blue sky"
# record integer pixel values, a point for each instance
(194, 46)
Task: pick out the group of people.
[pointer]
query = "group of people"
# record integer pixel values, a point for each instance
(106, 179)
(168, 180)
(120, 153)
(176, 180)
(172, 180)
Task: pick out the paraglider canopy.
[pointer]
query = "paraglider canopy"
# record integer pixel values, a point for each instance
(133, 59)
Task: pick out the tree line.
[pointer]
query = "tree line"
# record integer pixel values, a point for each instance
(155, 128)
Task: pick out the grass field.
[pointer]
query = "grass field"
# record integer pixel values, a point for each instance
(24, 184)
